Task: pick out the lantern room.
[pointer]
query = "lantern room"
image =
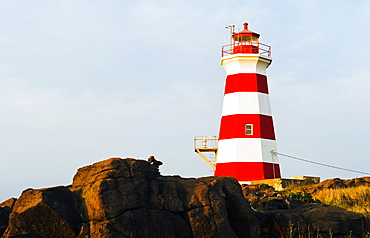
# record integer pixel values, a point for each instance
(246, 41)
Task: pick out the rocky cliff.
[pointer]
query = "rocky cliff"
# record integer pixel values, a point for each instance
(129, 198)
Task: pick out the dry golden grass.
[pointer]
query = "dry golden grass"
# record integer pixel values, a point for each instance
(356, 199)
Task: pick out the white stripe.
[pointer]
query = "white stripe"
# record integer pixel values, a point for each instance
(246, 103)
(245, 63)
(246, 150)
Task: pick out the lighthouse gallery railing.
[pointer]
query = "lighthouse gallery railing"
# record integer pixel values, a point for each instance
(257, 48)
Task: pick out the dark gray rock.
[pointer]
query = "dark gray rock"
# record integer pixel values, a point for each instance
(116, 195)
(315, 218)
(276, 203)
(8, 203)
(4, 219)
(49, 212)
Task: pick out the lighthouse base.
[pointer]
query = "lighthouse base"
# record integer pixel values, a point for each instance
(248, 171)
(280, 184)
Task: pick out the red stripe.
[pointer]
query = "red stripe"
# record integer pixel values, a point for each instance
(248, 171)
(246, 82)
(233, 126)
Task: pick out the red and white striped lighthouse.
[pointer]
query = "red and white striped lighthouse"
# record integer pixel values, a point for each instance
(246, 143)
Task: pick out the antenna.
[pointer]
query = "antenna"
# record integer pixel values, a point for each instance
(231, 28)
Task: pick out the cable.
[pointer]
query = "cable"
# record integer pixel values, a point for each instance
(313, 162)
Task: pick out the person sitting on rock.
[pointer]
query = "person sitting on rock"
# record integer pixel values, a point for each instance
(153, 161)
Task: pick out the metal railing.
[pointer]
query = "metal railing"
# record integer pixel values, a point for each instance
(255, 48)
(206, 142)
(206, 147)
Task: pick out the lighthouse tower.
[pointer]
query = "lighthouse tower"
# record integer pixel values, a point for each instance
(246, 142)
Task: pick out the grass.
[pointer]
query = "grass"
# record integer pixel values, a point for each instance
(355, 199)
(305, 197)
(310, 232)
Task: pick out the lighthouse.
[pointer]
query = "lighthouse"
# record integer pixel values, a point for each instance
(246, 142)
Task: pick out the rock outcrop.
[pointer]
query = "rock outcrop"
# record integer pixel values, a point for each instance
(8, 203)
(129, 198)
(49, 212)
(319, 219)
(4, 218)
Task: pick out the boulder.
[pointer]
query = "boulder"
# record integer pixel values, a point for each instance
(4, 219)
(263, 196)
(8, 203)
(129, 198)
(215, 207)
(5, 209)
(274, 203)
(49, 212)
(293, 203)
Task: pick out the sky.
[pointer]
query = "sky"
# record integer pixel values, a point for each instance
(82, 81)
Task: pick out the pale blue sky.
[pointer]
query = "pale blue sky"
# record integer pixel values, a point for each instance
(82, 81)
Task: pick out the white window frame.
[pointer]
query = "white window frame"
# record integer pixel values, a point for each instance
(248, 129)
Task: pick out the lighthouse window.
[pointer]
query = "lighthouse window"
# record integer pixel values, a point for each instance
(249, 129)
